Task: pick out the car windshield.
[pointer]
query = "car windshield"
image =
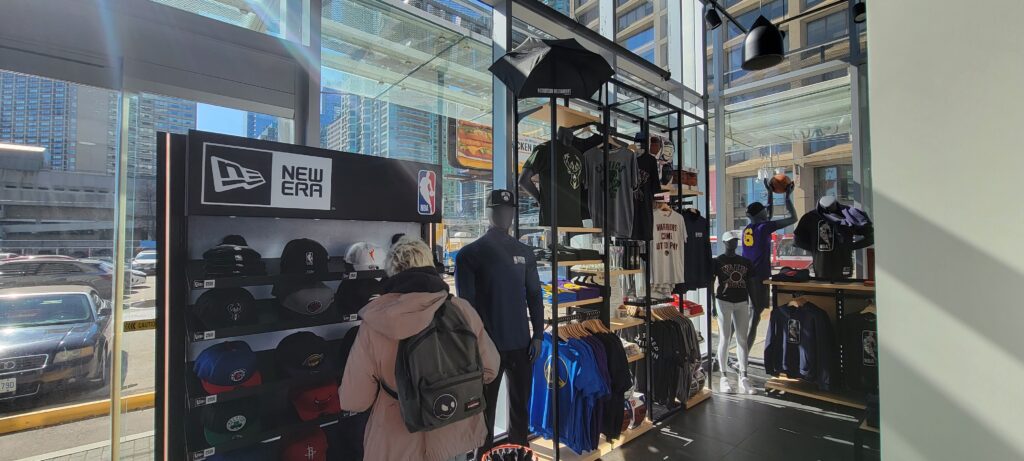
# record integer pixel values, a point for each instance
(787, 248)
(150, 256)
(26, 311)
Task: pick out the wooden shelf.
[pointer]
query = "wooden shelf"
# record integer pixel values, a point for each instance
(566, 116)
(814, 285)
(635, 358)
(623, 323)
(810, 390)
(701, 396)
(581, 262)
(865, 427)
(544, 451)
(674, 189)
(584, 302)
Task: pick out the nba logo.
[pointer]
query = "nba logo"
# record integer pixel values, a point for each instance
(427, 182)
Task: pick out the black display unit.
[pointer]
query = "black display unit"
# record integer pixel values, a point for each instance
(212, 185)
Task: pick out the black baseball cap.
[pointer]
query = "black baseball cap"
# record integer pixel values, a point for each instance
(755, 208)
(234, 239)
(501, 197)
(353, 294)
(304, 256)
(226, 307)
(230, 420)
(303, 353)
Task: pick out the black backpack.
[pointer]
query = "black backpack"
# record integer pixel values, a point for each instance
(438, 373)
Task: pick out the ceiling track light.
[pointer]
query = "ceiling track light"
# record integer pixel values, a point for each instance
(860, 12)
(713, 19)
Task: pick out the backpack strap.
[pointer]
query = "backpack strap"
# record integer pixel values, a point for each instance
(387, 390)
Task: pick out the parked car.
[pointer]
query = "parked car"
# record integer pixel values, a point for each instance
(52, 336)
(145, 261)
(7, 255)
(786, 254)
(33, 271)
(135, 278)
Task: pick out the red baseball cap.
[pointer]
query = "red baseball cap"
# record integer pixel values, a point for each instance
(314, 401)
(310, 445)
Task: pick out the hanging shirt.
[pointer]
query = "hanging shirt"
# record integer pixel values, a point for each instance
(734, 272)
(830, 236)
(569, 178)
(697, 262)
(623, 176)
(497, 275)
(667, 247)
(757, 247)
(643, 196)
(800, 343)
(860, 350)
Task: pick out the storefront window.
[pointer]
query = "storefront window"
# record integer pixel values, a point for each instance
(835, 181)
(265, 16)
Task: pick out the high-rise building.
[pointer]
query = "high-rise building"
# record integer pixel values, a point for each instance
(261, 126)
(380, 128)
(40, 112)
(640, 27)
(149, 114)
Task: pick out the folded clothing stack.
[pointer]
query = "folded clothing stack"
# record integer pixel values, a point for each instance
(564, 295)
(233, 256)
(582, 291)
(566, 253)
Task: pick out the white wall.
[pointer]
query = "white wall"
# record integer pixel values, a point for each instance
(947, 128)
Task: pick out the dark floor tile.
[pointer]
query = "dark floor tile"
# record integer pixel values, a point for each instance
(744, 455)
(665, 443)
(799, 445)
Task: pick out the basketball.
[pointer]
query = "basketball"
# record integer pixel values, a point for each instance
(779, 183)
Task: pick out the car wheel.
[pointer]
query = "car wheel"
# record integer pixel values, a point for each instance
(104, 375)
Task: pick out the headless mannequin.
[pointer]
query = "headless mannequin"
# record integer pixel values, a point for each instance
(730, 250)
(759, 298)
(498, 276)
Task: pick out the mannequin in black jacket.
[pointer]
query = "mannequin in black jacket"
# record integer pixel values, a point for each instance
(498, 276)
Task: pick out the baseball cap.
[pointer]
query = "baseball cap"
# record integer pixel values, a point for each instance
(227, 366)
(226, 307)
(501, 197)
(316, 400)
(303, 256)
(305, 298)
(303, 353)
(755, 208)
(365, 256)
(230, 420)
(353, 294)
(731, 235)
(234, 239)
(310, 445)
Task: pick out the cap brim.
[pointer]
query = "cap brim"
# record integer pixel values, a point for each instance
(255, 380)
(215, 438)
(309, 412)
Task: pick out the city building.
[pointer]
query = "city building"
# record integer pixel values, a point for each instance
(641, 26)
(149, 114)
(38, 111)
(261, 126)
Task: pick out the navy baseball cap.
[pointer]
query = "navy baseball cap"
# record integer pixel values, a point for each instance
(303, 353)
(226, 307)
(304, 256)
(227, 366)
(305, 298)
(755, 208)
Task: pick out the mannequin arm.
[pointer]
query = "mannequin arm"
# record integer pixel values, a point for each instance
(465, 279)
(866, 240)
(534, 298)
(526, 181)
(790, 208)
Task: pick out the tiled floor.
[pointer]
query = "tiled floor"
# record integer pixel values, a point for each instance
(754, 428)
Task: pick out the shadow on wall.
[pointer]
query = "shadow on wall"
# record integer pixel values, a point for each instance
(951, 278)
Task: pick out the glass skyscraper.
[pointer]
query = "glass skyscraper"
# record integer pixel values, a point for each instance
(38, 111)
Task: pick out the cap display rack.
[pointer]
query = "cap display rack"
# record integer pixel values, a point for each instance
(189, 223)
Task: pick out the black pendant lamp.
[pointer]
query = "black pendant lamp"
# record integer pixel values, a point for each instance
(763, 46)
(860, 12)
(713, 19)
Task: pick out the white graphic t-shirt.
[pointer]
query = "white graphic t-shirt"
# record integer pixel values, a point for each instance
(667, 247)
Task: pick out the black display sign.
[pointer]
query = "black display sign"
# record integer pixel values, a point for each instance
(236, 176)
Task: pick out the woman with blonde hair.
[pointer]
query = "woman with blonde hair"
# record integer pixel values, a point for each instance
(412, 295)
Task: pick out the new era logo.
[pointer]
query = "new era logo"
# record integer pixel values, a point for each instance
(228, 175)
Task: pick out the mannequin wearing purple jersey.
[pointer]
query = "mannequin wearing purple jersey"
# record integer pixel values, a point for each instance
(757, 247)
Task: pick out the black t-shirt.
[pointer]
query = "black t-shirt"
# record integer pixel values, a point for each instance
(860, 348)
(569, 178)
(697, 250)
(643, 197)
(733, 273)
(621, 381)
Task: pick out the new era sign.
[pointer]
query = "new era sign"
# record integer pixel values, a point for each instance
(242, 176)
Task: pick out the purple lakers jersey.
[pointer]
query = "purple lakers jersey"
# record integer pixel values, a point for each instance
(757, 247)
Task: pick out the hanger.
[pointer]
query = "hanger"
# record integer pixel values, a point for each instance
(797, 301)
(870, 309)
